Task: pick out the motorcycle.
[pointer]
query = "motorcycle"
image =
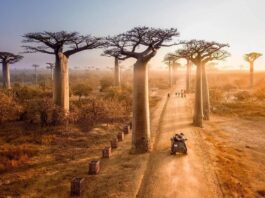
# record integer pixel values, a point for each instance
(178, 144)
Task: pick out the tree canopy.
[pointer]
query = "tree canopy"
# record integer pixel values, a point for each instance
(7, 57)
(200, 51)
(251, 57)
(68, 43)
(141, 42)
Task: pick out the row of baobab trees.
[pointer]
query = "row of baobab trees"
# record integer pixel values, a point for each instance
(200, 53)
(140, 43)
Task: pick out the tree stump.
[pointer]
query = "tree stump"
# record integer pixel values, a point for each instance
(94, 167)
(120, 136)
(106, 152)
(114, 143)
(77, 186)
(126, 129)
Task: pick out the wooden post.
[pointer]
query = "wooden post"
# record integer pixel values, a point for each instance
(106, 152)
(120, 136)
(114, 143)
(94, 167)
(126, 129)
(77, 186)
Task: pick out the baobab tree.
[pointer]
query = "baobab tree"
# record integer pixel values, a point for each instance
(168, 60)
(251, 58)
(51, 67)
(177, 56)
(141, 43)
(171, 60)
(117, 69)
(7, 58)
(61, 44)
(35, 66)
(201, 52)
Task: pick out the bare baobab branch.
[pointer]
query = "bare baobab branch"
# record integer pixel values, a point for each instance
(10, 58)
(147, 40)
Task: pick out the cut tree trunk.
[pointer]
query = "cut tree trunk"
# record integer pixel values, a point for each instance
(251, 77)
(198, 107)
(188, 76)
(61, 82)
(141, 117)
(206, 99)
(117, 74)
(6, 76)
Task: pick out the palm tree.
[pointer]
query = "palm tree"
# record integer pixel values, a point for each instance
(251, 58)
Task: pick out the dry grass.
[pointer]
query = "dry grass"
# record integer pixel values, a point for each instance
(234, 98)
(56, 154)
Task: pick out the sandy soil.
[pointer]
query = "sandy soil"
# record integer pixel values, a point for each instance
(237, 148)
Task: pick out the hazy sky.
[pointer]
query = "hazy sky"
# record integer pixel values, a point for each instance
(241, 23)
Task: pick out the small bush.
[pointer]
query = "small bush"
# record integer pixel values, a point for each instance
(243, 95)
(9, 109)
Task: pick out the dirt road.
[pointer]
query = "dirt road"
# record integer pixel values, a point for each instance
(181, 175)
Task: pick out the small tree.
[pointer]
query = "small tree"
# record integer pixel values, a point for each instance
(82, 90)
(251, 58)
(9, 109)
(62, 45)
(142, 44)
(201, 52)
(7, 58)
(117, 70)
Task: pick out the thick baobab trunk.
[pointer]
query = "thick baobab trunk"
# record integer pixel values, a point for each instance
(198, 107)
(251, 77)
(170, 75)
(141, 117)
(52, 74)
(188, 76)
(61, 82)
(206, 99)
(117, 74)
(6, 76)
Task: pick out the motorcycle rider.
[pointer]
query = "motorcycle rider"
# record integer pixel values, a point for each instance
(177, 138)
